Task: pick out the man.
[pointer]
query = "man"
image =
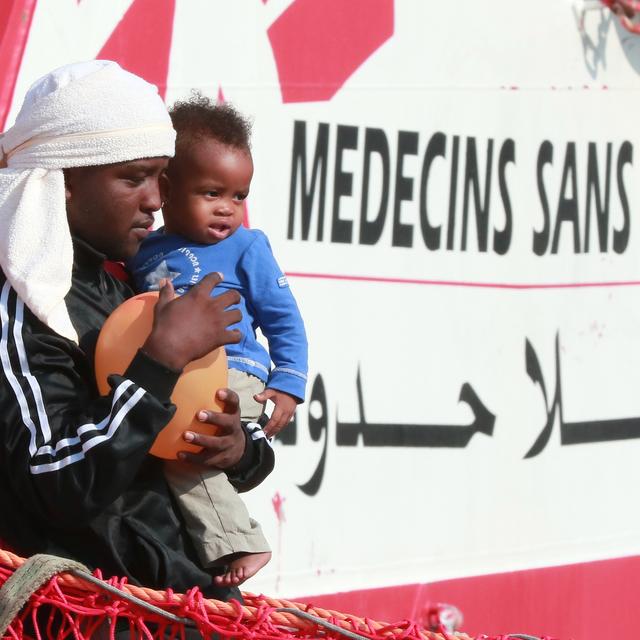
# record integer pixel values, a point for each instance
(80, 184)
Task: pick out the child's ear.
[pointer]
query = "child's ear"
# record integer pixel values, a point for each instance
(165, 186)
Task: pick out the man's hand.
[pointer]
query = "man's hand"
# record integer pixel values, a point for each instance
(187, 328)
(283, 410)
(225, 449)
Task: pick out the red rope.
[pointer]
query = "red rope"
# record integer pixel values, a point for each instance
(69, 607)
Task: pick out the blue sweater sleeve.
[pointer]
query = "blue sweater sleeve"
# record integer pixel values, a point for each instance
(276, 312)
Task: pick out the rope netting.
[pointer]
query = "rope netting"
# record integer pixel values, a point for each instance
(78, 605)
(626, 11)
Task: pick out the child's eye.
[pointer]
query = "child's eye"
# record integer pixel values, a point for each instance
(135, 180)
(212, 194)
(241, 196)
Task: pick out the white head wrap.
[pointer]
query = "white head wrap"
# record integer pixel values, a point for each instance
(80, 115)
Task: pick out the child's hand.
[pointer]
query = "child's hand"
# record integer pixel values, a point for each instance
(285, 406)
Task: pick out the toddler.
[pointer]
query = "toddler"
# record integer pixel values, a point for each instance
(203, 191)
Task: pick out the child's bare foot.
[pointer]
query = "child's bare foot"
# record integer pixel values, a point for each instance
(242, 567)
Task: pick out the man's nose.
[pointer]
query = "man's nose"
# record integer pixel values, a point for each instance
(151, 200)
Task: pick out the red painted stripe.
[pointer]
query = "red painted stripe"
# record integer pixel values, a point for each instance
(15, 22)
(318, 44)
(463, 283)
(586, 601)
(141, 41)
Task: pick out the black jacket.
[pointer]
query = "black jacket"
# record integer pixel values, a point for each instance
(75, 476)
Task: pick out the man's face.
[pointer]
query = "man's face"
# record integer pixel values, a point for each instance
(111, 206)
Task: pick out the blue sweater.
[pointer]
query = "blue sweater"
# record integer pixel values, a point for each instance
(248, 265)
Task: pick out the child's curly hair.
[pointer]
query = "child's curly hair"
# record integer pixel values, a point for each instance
(200, 117)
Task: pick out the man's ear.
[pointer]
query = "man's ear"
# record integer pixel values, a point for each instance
(68, 179)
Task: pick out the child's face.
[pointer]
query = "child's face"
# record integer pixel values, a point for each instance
(205, 195)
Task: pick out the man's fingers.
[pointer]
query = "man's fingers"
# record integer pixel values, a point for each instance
(230, 400)
(207, 283)
(211, 443)
(232, 316)
(226, 447)
(166, 294)
(216, 451)
(213, 448)
(228, 298)
(229, 336)
(223, 422)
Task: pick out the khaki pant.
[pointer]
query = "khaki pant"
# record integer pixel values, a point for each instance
(216, 517)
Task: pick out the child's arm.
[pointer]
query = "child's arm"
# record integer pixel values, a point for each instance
(283, 410)
(276, 313)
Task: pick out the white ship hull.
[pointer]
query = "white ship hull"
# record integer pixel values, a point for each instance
(452, 189)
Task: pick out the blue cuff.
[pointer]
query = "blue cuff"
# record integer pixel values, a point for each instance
(288, 380)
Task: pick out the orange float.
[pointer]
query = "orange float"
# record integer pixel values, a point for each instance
(124, 332)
